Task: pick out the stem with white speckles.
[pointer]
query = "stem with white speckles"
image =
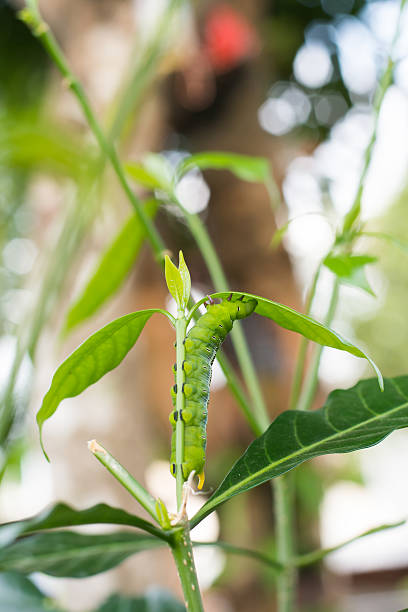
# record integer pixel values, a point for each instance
(183, 556)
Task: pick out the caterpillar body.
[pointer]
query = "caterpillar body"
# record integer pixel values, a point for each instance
(201, 345)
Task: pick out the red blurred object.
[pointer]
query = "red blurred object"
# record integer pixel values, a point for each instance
(229, 39)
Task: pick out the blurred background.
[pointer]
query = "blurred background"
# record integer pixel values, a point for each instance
(291, 80)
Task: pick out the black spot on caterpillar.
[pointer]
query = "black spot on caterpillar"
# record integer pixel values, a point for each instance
(201, 346)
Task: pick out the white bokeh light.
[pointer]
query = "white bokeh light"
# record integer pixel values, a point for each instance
(357, 55)
(309, 233)
(301, 187)
(312, 65)
(193, 192)
(19, 255)
(277, 116)
(349, 509)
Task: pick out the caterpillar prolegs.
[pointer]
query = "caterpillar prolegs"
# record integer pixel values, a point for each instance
(201, 345)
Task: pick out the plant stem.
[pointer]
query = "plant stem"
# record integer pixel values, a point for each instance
(181, 326)
(317, 555)
(311, 381)
(219, 280)
(126, 480)
(245, 552)
(143, 73)
(273, 191)
(40, 29)
(286, 579)
(384, 83)
(237, 391)
(301, 358)
(183, 556)
(282, 486)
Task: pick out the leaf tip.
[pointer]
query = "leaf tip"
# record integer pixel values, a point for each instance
(42, 444)
(378, 373)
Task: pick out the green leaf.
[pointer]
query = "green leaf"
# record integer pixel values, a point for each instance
(247, 168)
(139, 173)
(302, 324)
(112, 269)
(73, 555)
(350, 419)
(160, 168)
(185, 278)
(156, 600)
(99, 354)
(19, 594)
(350, 269)
(27, 140)
(61, 515)
(174, 282)
(155, 172)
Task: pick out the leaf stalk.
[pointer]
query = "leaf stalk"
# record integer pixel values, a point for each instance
(126, 480)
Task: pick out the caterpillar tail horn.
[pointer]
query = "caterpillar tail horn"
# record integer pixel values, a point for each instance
(201, 478)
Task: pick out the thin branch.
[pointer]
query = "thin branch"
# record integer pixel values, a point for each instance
(126, 480)
(245, 552)
(318, 555)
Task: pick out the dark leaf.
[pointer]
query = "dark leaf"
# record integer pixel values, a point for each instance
(351, 419)
(72, 555)
(62, 515)
(19, 594)
(156, 600)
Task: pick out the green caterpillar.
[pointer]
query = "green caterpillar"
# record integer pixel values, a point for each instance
(201, 345)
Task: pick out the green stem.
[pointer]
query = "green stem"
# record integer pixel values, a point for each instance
(126, 480)
(183, 556)
(317, 555)
(143, 73)
(181, 326)
(244, 552)
(220, 283)
(286, 579)
(41, 30)
(237, 391)
(383, 85)
(311, 381)
(301, 358)
(273, 191)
